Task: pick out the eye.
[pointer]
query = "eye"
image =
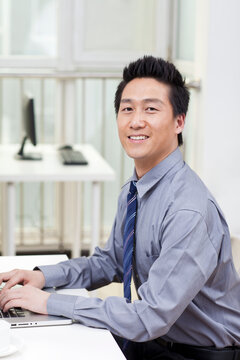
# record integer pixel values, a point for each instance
(151, 109)
(127, 109)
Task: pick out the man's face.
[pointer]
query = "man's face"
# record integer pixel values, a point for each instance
(146, 125)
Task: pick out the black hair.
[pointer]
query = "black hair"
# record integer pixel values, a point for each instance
(162, 71)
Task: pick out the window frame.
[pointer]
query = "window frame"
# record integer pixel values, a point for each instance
(114, 61)
(70, 35)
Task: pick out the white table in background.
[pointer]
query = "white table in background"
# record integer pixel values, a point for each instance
(60, 342)
(50, 169)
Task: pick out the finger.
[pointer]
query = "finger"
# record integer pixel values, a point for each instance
(3, 299)
(16, 298)
(13, 280)
(9, 295)
(5, 276)
(13, 303)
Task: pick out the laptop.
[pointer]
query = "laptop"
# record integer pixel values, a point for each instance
(19, 318)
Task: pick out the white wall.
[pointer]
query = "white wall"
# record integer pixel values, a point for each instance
(220, 109)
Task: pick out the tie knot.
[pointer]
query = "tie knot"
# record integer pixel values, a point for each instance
(133, 188)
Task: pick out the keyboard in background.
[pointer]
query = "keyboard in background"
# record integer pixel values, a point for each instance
(72, 157)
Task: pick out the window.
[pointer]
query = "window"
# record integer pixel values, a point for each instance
(69, 54)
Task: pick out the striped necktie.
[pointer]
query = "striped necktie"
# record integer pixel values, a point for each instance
(128, 239)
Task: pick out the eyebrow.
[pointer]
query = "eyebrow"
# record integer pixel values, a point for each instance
(154, 100)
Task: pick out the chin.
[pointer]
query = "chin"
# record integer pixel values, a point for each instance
(136, 156)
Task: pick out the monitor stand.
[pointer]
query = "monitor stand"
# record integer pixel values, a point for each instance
(28, 156)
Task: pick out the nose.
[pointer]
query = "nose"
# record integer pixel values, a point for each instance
(137, 120)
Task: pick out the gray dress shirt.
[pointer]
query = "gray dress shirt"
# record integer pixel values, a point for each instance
(190, 290)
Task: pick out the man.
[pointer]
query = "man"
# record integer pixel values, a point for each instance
(170, 233)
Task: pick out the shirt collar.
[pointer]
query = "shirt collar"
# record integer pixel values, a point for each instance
(157, 173)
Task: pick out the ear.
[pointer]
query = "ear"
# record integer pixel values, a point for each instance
(180, 122)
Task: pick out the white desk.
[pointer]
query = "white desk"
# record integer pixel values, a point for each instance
(47, 170)
(60, 342)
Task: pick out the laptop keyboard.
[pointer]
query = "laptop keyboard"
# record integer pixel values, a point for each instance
(12, 313)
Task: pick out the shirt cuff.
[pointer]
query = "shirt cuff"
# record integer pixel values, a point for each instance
(53, 274)
(61, 305)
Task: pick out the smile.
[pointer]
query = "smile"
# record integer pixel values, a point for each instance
(140, 137)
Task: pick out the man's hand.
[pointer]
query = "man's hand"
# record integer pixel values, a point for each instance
(24, 277)
(27, 297)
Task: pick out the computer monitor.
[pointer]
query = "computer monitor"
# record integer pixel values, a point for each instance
(29, 128)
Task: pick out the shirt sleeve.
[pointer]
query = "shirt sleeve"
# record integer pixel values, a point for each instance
(93, 272)
(178, 273)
